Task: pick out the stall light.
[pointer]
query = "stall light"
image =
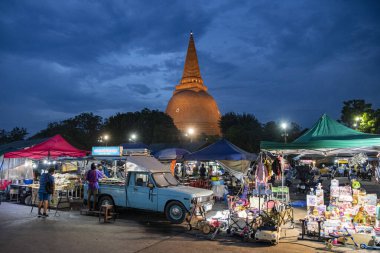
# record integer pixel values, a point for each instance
(54, 162)
(34, 166)
(45, 161)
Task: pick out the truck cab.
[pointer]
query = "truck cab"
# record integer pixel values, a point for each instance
(150, 186)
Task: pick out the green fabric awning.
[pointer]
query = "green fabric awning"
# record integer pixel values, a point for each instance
(327, 136)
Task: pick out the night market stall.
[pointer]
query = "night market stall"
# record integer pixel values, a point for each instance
(225, 164)
(39, 158)
(252, 212)
(349, 211)
(173, 156)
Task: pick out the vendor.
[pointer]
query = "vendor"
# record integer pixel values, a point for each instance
(102, 168)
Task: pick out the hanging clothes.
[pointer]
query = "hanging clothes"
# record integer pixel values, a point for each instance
(261, 175)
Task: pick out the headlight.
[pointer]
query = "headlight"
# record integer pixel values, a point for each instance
(196, 200)
(201, 199)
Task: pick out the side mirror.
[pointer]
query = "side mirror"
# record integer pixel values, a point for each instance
(151, 186)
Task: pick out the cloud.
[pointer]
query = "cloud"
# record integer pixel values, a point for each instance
(292, 60)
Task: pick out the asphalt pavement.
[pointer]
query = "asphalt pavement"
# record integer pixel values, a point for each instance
(133, 231)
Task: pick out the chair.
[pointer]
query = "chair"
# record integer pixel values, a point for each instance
(13, 194)
(281, 193)
(108, 212)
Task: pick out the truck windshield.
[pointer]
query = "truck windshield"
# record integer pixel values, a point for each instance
(163, 179)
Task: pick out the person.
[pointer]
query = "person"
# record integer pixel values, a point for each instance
(101, 171)
(177, 171)
(92, 178)
(209, 172)
(195, 171)
(105, 169)
(44, 193)
(202, 171)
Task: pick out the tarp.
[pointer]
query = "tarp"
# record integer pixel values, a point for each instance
(145, 163)
(326, 137)
(54, 147)
(171, 154)
(221, 150)
(235, 168)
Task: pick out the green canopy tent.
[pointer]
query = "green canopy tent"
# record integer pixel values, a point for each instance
(327, 137)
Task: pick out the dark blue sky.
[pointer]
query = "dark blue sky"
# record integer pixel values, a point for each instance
(279, 60)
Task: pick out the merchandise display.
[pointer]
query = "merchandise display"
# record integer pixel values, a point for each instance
(350, 211)
(112, 181)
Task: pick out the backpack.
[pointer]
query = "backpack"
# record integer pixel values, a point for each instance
(48, 186)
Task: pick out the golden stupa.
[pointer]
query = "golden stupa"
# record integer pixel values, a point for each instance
(191, 107)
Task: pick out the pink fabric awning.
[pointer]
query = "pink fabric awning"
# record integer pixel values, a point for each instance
(54, 147)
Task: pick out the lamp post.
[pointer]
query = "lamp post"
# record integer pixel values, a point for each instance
(284, 126)
(104, 138)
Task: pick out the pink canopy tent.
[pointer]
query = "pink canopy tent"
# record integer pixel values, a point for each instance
(54, 147)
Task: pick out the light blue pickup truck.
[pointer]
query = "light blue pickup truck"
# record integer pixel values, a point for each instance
(150, 186)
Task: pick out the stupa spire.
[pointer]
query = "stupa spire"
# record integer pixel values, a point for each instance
(191, 72)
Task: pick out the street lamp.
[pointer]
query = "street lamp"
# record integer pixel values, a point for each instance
(284, 126)
(133, 137)
(104, 138)
(357, 122)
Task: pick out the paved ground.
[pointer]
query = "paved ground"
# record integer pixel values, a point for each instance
(22, 231)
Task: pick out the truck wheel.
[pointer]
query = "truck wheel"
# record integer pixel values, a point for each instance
(105, 200)
(175, 212)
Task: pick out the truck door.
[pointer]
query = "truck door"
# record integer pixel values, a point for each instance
(139, 194)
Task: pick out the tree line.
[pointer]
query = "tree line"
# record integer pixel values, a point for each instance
(153, 126)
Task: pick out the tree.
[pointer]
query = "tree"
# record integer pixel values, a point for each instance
(353, 109)
(244, 130)
(150, 126)
(16, 134)
(370, 122)
(82, 130)
(360, 115)
(273, 132)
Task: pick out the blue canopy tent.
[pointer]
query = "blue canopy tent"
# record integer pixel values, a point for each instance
(221, 150)
(231, 157)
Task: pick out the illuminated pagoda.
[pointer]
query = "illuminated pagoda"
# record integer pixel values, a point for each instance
(191, 106)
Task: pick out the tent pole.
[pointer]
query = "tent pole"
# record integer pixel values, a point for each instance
(9, 160)
(1, 169)
(282, 176)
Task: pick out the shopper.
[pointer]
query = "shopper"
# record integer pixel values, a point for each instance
(202, 171)
(45, 191)
(92, 178)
